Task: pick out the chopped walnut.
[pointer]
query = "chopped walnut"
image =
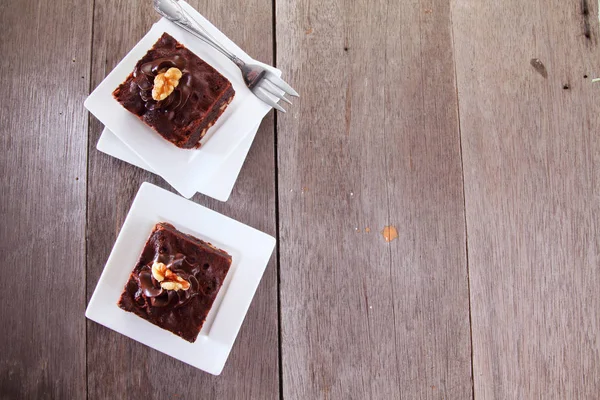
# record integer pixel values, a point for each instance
(177, 284)
(170, 285)
(167, 278)
(158, 271)
(165, 83)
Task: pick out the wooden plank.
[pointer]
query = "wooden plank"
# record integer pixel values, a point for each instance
(373, 141)
(116, 364)
(45, 64)
(531, 153)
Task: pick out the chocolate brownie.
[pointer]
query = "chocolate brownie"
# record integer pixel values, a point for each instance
(175, 92)
(175, 281)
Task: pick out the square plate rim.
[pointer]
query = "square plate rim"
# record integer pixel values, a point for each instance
(204, 186)
(237, 305)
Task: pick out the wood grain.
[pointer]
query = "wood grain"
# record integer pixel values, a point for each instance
(116, 364)
(43, 179)
(373, 141)
(531, 153)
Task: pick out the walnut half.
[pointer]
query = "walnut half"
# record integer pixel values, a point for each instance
(165, 83)
(158, 271)
(167, 278)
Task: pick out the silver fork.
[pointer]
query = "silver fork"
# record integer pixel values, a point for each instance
(259, 80)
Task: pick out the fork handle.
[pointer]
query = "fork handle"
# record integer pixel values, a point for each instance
(172, 10)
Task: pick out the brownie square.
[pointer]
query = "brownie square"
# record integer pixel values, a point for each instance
(198, 98)
(175, 281)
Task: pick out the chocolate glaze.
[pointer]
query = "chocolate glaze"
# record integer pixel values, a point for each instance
(144, 75)
(184, 116)
(153, 295)
(180, 311)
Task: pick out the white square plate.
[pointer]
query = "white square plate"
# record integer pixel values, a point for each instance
(218, 186)
(250, 250)
(184, 169)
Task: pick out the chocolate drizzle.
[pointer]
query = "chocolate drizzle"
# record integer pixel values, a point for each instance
(151, 294)
(144, 75)
(182, 312)
(187, 113)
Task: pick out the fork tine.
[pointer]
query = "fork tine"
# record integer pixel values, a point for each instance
(259, 92)
(281, 84)
(268, 86)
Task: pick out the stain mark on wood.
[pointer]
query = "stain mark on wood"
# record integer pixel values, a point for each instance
(389, 233)
(539, 66)
(566, 86)
(585, 8)
(585, 12)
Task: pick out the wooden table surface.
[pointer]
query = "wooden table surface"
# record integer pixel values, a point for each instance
(472, 126)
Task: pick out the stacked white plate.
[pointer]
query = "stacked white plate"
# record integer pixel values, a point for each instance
(213, 168)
